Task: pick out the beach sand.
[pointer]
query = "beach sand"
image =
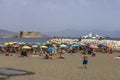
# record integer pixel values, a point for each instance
(101, 67)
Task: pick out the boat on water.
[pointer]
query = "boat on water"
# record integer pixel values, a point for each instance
(93, 36)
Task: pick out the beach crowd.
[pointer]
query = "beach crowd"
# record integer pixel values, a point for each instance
(59, 46)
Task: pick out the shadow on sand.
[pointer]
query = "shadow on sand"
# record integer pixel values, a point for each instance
(2, 78)
(13, 72)
(82, 67)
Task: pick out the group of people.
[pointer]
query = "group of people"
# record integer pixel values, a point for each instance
(48, 54)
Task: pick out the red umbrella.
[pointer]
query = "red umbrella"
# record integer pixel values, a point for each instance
(93, 46)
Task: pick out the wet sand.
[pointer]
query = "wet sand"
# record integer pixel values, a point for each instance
(102, 67)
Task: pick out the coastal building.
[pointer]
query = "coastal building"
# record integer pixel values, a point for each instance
(24, 34)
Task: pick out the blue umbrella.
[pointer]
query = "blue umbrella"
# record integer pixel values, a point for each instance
(28, 44)
(50, 49)
(75, 45)
(22, 44)
(101, 45)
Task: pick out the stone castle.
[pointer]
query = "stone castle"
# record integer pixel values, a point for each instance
(24, 34)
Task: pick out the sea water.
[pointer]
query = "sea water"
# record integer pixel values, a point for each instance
(27, 40)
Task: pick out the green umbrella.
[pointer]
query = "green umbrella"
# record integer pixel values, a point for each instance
(63, 46)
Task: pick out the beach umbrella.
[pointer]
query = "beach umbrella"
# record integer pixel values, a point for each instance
(43, 47)
(6, 44)
(65, 42)
(101, 45)
(10, 43)
(28, 44)
(49, 45)
(1, 45)
(35, 46)
(50, 49)
(22, 43)
(58, 42)
(26, 47)
(16, 46)
(63, 46)
(15, 42)
(75, 45)
(110, 46)
(93, 46)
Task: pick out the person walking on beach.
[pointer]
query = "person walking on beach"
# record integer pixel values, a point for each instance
(85, 60)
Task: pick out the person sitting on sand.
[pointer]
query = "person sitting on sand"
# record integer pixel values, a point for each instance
(85, 60)
(47, 56)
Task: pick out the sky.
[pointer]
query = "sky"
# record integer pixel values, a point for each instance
(55, 15)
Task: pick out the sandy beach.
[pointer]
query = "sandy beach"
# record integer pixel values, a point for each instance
(102, 67)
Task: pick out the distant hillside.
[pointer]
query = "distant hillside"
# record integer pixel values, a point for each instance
(5, 33)
(78, 33)
(67, 33)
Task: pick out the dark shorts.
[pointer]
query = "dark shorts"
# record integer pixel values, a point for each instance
(93, 55)
(85, 61)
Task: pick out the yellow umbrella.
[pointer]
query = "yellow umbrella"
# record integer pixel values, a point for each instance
(59, 42)
(43, 47)
(26, 47)
(10, 43)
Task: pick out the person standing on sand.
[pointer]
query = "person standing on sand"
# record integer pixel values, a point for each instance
(23, 53)
(85, 60)
(93, 54)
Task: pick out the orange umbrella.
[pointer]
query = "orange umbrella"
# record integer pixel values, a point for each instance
(110, 47)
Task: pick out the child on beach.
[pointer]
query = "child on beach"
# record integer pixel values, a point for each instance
(93, 54)
(85, 60)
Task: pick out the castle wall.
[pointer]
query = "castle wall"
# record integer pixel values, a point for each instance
(29, 34)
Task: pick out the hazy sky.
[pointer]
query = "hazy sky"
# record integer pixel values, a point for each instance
(51, 15)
